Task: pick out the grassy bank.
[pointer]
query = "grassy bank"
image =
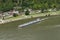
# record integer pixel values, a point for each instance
(33, 15)
(53, 20)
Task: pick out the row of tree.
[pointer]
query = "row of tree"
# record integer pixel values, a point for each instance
(6, 5)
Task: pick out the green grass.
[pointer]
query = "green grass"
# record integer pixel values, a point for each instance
(43, 14)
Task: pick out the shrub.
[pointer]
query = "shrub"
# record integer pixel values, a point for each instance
(27, 12)
(15, 15)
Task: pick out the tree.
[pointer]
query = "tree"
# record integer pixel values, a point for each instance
(34, 4)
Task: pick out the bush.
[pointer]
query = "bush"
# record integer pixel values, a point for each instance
(27, 12)
(15, 15)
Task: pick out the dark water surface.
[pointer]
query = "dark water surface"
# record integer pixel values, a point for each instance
(41, 31)
(38, 33)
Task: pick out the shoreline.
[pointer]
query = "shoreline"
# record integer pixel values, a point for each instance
(7, 21)
(24, 17)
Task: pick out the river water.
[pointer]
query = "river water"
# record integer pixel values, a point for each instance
(29, 33)
(37, 31)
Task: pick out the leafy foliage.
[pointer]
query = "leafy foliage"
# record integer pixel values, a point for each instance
(33, 4)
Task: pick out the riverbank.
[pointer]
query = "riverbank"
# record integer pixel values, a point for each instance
(29, 16)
